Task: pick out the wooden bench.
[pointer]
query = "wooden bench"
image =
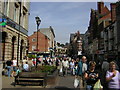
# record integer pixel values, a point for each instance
(29, 78)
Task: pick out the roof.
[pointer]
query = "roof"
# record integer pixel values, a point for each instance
(47, 29)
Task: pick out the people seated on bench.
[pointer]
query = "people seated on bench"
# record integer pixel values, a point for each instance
(26, 67)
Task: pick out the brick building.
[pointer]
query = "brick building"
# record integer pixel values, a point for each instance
(49, 32)
(99, 19)
(43, 43)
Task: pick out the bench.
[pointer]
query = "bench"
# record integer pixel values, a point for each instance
(29, 78)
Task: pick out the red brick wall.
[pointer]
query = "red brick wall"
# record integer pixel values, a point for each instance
(113, 11)
(100, 6)
(102, 9)
(42, 42)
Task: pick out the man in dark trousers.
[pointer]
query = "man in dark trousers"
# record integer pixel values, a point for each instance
(9, 66)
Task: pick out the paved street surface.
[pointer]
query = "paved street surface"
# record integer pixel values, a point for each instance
(65, 82)
(0, 75)
(62, 82)
(9, 83)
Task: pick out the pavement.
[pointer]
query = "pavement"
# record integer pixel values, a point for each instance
(0, 75)
(66, 82)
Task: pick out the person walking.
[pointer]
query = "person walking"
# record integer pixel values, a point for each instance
(105, 68)
(72, 66)
(57, 62)
(91, 76)
(82, 67)
(14, 67)
(65, 64)
(9, 67)
(113, 77)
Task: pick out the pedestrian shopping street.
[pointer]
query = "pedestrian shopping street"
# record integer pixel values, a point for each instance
(60, 45)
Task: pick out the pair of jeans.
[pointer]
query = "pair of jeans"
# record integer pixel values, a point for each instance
(9, 70)
(89, 87)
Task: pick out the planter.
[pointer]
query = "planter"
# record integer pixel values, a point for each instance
(51, 79)
(29, 78)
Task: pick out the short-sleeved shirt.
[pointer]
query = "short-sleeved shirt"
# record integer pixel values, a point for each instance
(26, 67)
(114, 82)
(91, 81)
(14, 62)
(9, 63)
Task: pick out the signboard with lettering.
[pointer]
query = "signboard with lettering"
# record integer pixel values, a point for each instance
(3, 22)
(7, 21)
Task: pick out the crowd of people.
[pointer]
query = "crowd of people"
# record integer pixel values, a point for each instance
(86, 72)
(13, 69)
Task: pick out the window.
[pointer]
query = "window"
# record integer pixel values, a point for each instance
(24, 19)
(6, 7)
(33, 48)
(102, 34)
(16, 13)
(34, 39)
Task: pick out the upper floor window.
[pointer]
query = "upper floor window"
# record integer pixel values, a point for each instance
(24, 19)
(33, 48)
(34, 39)
(16, 13)
(6, 7)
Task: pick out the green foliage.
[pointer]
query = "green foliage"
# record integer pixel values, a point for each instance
(31, 56)
(45, 69)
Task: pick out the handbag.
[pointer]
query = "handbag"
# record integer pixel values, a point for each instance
(98, 85)
(76, 82)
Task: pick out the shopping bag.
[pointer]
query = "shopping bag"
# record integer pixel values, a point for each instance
(98, 85)
(73, 71)
(76, 82)
(61, 70)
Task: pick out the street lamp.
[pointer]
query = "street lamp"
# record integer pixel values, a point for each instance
(38, 21)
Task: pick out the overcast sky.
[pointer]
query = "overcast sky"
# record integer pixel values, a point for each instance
(64, 17)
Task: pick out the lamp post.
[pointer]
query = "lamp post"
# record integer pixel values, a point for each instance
(38, 21)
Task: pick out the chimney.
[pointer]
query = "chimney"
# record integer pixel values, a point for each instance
(113, 11)
(100, 6)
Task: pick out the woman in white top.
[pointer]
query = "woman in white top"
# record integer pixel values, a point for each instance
(113, 77)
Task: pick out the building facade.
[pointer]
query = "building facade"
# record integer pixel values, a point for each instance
(99, 19)
(15, 32)
(103, 37)
(43, 43)
(49, 32)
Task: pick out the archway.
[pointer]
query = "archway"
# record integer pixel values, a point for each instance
(4, 36)
(21, 49)
(13, 44)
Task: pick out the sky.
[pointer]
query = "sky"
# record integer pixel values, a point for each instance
(64, 17)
